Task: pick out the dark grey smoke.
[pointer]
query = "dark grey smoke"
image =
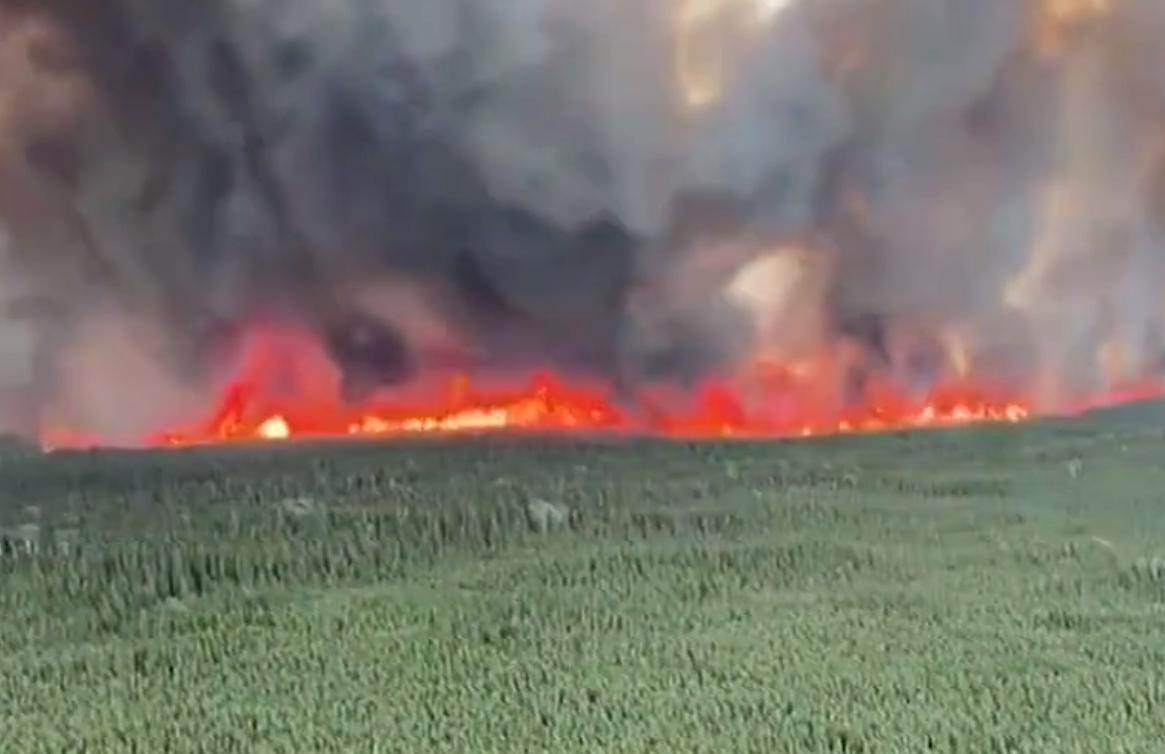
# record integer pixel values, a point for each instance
(484, 181)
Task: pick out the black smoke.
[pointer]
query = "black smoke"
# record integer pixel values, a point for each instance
(487, 184)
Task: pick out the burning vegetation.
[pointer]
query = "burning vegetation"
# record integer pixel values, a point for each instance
(229, 220)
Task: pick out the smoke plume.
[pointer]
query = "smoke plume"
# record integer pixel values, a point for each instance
(646, 190)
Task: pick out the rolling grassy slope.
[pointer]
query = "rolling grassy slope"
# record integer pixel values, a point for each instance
(990, 590)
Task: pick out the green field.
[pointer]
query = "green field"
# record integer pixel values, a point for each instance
(985, 590)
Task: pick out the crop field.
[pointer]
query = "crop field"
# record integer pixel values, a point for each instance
(984, 590)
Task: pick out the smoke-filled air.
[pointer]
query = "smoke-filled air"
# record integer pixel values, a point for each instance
(250, 217)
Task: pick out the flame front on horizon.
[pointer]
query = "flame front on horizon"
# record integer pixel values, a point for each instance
(843, 215)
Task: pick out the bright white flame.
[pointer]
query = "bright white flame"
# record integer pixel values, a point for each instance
(274, 428)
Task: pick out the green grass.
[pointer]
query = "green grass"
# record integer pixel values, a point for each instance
(990, 590)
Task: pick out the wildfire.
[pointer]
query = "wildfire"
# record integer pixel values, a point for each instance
(1071, 310)
(773, 401)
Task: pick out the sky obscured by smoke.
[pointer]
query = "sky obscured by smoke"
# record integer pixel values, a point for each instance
(652, 185)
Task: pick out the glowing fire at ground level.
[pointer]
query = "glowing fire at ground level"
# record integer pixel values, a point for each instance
(273, 399)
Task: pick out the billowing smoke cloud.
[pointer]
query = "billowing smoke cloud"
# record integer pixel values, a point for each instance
(645, 189)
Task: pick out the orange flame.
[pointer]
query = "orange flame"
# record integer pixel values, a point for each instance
(789, 386)
(772, 402)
